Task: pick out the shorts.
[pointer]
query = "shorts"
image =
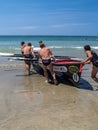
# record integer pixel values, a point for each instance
(46, 62)
(28, 56)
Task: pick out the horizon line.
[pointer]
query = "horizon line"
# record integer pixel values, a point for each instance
(52, 35)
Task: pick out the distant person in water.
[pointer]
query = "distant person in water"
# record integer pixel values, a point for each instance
(22, 47)
(28, 53)
(92, 57)
(46, 55)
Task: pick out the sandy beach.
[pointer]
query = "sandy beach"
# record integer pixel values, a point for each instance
(28, 103)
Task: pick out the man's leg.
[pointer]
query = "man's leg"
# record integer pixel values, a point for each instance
(50, 67)
(27, 64)
(46, 73)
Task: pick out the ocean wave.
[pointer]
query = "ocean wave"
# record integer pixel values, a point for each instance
(55, 47)
(73, 47)
(17, 49)
(63, 47)
(6, 54)
(66, 47)
(94, 47)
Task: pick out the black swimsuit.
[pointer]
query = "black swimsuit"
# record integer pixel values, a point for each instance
(22, 52)
(28, 55)
(94, 59)
(46, 62)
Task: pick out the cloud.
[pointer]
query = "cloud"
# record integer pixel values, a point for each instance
(69, 24)
(28, 28)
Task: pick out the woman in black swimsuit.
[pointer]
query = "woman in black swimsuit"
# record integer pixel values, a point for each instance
(91, 57)
(46, 55)
(46, 62)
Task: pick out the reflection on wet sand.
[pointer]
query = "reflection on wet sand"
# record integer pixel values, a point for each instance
(28, 103)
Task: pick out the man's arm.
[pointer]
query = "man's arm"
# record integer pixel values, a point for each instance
(32, 51)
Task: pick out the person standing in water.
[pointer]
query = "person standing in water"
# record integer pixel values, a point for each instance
(46, 55)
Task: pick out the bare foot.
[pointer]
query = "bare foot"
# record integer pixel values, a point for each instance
(55, 82)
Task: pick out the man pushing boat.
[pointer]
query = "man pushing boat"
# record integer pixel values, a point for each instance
(28, 53)
(46, 55)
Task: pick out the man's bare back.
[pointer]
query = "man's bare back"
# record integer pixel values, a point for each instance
(45, 53)
(28, 53)
(28, 50)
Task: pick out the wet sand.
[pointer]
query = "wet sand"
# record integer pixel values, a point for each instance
(28, 103)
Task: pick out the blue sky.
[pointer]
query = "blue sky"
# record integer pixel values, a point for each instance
(49, 17)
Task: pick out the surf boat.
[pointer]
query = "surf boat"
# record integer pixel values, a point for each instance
(66, 68)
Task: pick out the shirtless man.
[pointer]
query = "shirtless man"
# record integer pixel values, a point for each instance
(46, 55)
(22, 47)
(28, 53)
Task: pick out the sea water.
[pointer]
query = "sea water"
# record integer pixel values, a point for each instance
(60, 45)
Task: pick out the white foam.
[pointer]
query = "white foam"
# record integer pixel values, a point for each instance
(6, 54)
(36, 48)
(95, 47)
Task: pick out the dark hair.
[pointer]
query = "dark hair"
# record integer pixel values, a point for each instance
(40, 41)
(87, 47)
(22, 43)
(41, 44)
(29, 44)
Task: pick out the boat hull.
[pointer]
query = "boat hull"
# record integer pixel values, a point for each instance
(65, 69)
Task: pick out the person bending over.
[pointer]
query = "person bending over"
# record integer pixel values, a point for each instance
(92, 57)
